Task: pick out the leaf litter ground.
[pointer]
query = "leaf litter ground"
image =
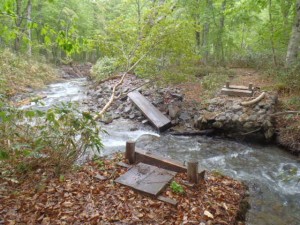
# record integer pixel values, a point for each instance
(82, 197)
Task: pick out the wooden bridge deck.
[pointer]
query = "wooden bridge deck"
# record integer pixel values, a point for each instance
(159, 120)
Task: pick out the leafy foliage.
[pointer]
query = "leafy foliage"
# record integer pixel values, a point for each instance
(56, 138)
(176, 188)
(104, 68)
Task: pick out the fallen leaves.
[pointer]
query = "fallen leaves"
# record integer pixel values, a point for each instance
(83, 199)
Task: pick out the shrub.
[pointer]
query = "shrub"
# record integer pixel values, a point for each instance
(55, 139)
(176, 188)
(104, 68)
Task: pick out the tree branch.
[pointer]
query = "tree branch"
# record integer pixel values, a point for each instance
(112, 97)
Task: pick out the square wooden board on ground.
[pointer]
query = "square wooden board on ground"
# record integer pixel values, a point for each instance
(146, 178)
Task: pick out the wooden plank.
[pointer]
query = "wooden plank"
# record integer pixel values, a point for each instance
(159, 161)
(167, 200)
(146, 178)
(240, 87)
(236, 92)
(165, 163)
(122, 164)
(159, 120)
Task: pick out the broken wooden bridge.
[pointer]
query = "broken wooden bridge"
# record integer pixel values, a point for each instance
(150, 173)
(159, 120)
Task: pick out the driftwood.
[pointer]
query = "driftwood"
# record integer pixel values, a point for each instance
(254, 101)
(193, 133)
(251, 132)
(285, 112)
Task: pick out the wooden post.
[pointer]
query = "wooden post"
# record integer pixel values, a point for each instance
(130, 151)
(250, 87)
(192, 172)
(227, 84)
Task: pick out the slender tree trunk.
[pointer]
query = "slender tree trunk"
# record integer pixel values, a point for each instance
(197, 34)
(272, 33)
(18, 23)
(219, 44)
(29, 9)
(294, 43)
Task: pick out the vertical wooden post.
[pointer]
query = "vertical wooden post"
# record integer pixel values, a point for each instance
(130, 151)
(227, 84)
(192, 172)
(250, 87)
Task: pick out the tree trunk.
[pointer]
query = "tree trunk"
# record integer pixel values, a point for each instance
(29, 9)
(294, 43)
(272, 33)
(18, 23)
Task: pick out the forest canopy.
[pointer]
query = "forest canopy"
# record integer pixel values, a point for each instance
(170, 32)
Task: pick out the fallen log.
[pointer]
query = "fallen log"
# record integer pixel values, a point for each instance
(192, 133)
(254, 101)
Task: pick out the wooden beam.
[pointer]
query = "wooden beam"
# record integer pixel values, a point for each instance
(192, 172)
(237, 92)
(159, 120)
(165, 163)
(167, 200)
(130, 152)
(159, 161)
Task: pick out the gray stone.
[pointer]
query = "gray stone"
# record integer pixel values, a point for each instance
(127, 109)
(131, 116)
(235, 118)
(253, 117)
(261, 112)
(244, 117)
(173, 111)
(178, 96)
(236, 107)
(248, 125)
(158, 101)
(217, 124)
(184, 116)
(221, 118)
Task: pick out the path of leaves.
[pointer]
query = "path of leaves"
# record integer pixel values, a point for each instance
(80, 198)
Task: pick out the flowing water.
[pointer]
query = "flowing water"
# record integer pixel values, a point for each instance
(273, 175)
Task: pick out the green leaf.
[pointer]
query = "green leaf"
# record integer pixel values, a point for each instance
(3, 155)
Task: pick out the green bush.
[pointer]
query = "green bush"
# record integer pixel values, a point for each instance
(104, 68)
(55, 139)
(214, 81)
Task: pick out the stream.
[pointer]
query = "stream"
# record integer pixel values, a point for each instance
(273, 175)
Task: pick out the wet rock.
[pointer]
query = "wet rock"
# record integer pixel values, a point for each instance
(132, 116)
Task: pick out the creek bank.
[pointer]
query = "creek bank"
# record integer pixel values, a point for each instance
(223, 114)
